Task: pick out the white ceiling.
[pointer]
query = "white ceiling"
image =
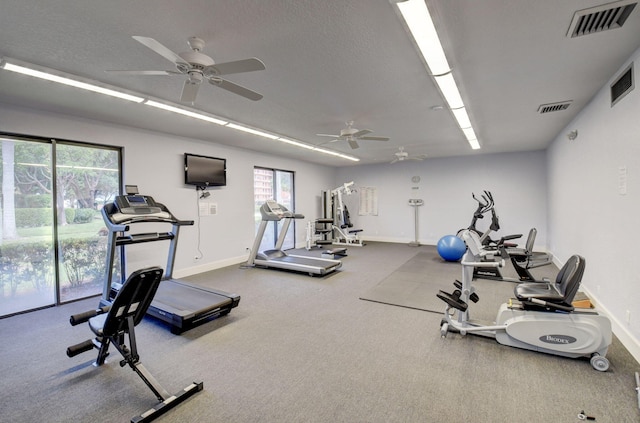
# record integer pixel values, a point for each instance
(327, 62)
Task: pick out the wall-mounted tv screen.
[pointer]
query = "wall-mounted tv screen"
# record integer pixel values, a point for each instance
(204, 171)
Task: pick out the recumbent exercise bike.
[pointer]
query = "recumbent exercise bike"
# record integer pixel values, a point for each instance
(541, 318)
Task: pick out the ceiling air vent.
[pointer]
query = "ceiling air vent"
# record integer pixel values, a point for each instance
(554, 107)
(622, 86)
(600, 18)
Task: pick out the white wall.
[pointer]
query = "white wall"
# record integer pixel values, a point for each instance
(154, 162)
(446, 186)
(588, 215)
(517, 181)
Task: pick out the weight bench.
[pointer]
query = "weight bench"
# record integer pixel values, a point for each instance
(111, 323)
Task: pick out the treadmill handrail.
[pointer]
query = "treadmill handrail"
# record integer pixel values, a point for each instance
(156, 219)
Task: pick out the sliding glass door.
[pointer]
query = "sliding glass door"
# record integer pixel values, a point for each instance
(52, 245)
(278, 185)
(27, 257)
(87, 177)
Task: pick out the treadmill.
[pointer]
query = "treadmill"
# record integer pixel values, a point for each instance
(271, 211)
(180, 304)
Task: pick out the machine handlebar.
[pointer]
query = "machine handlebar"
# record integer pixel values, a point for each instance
(551, 305)
(483, 263)
(484, 205)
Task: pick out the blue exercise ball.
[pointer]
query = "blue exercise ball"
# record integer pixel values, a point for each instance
(451, 248)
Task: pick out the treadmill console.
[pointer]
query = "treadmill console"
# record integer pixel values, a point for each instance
(275, 208)
(271, 211)
(136, 204)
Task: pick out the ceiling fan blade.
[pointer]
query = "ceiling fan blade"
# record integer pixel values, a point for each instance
(189, 92)
(394, 161)
(374, 138)
(353, 144)
(235, 88)
(361, 132)
(144, 72)
(161, 50)
(238, 66)
(328, 135)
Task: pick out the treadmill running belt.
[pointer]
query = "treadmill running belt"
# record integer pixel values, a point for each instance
(184, 300)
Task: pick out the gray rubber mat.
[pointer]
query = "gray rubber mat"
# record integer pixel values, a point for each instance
(416, 283)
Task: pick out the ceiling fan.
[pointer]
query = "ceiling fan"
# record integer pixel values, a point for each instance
(402, 155)
(198, 67)
(353, 135)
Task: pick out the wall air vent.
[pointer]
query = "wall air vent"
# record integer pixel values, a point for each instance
(554, 107)
(622, 86)
(600, 18)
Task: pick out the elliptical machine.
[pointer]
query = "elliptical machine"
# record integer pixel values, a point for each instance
(486, 204)
(519, 257)
(541, 317)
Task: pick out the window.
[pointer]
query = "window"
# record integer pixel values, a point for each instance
(52, 248)
(273, 184)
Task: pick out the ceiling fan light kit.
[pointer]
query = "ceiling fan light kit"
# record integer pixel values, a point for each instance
(198, 67)
(401, 156)
(353, 135)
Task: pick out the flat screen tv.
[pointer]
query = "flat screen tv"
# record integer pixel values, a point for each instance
(204, 171)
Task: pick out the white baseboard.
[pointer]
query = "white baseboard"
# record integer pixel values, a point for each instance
(395, 240)
(209, 266)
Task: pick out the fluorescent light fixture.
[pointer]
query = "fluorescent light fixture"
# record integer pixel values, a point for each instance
(184, 112)
(252, 131)
(319, 150)
(462, 117)
(296, 143)
(337, 154)
(68, 81)
(418, 19)
(469, 133)
(474, 144)
(449, 90)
